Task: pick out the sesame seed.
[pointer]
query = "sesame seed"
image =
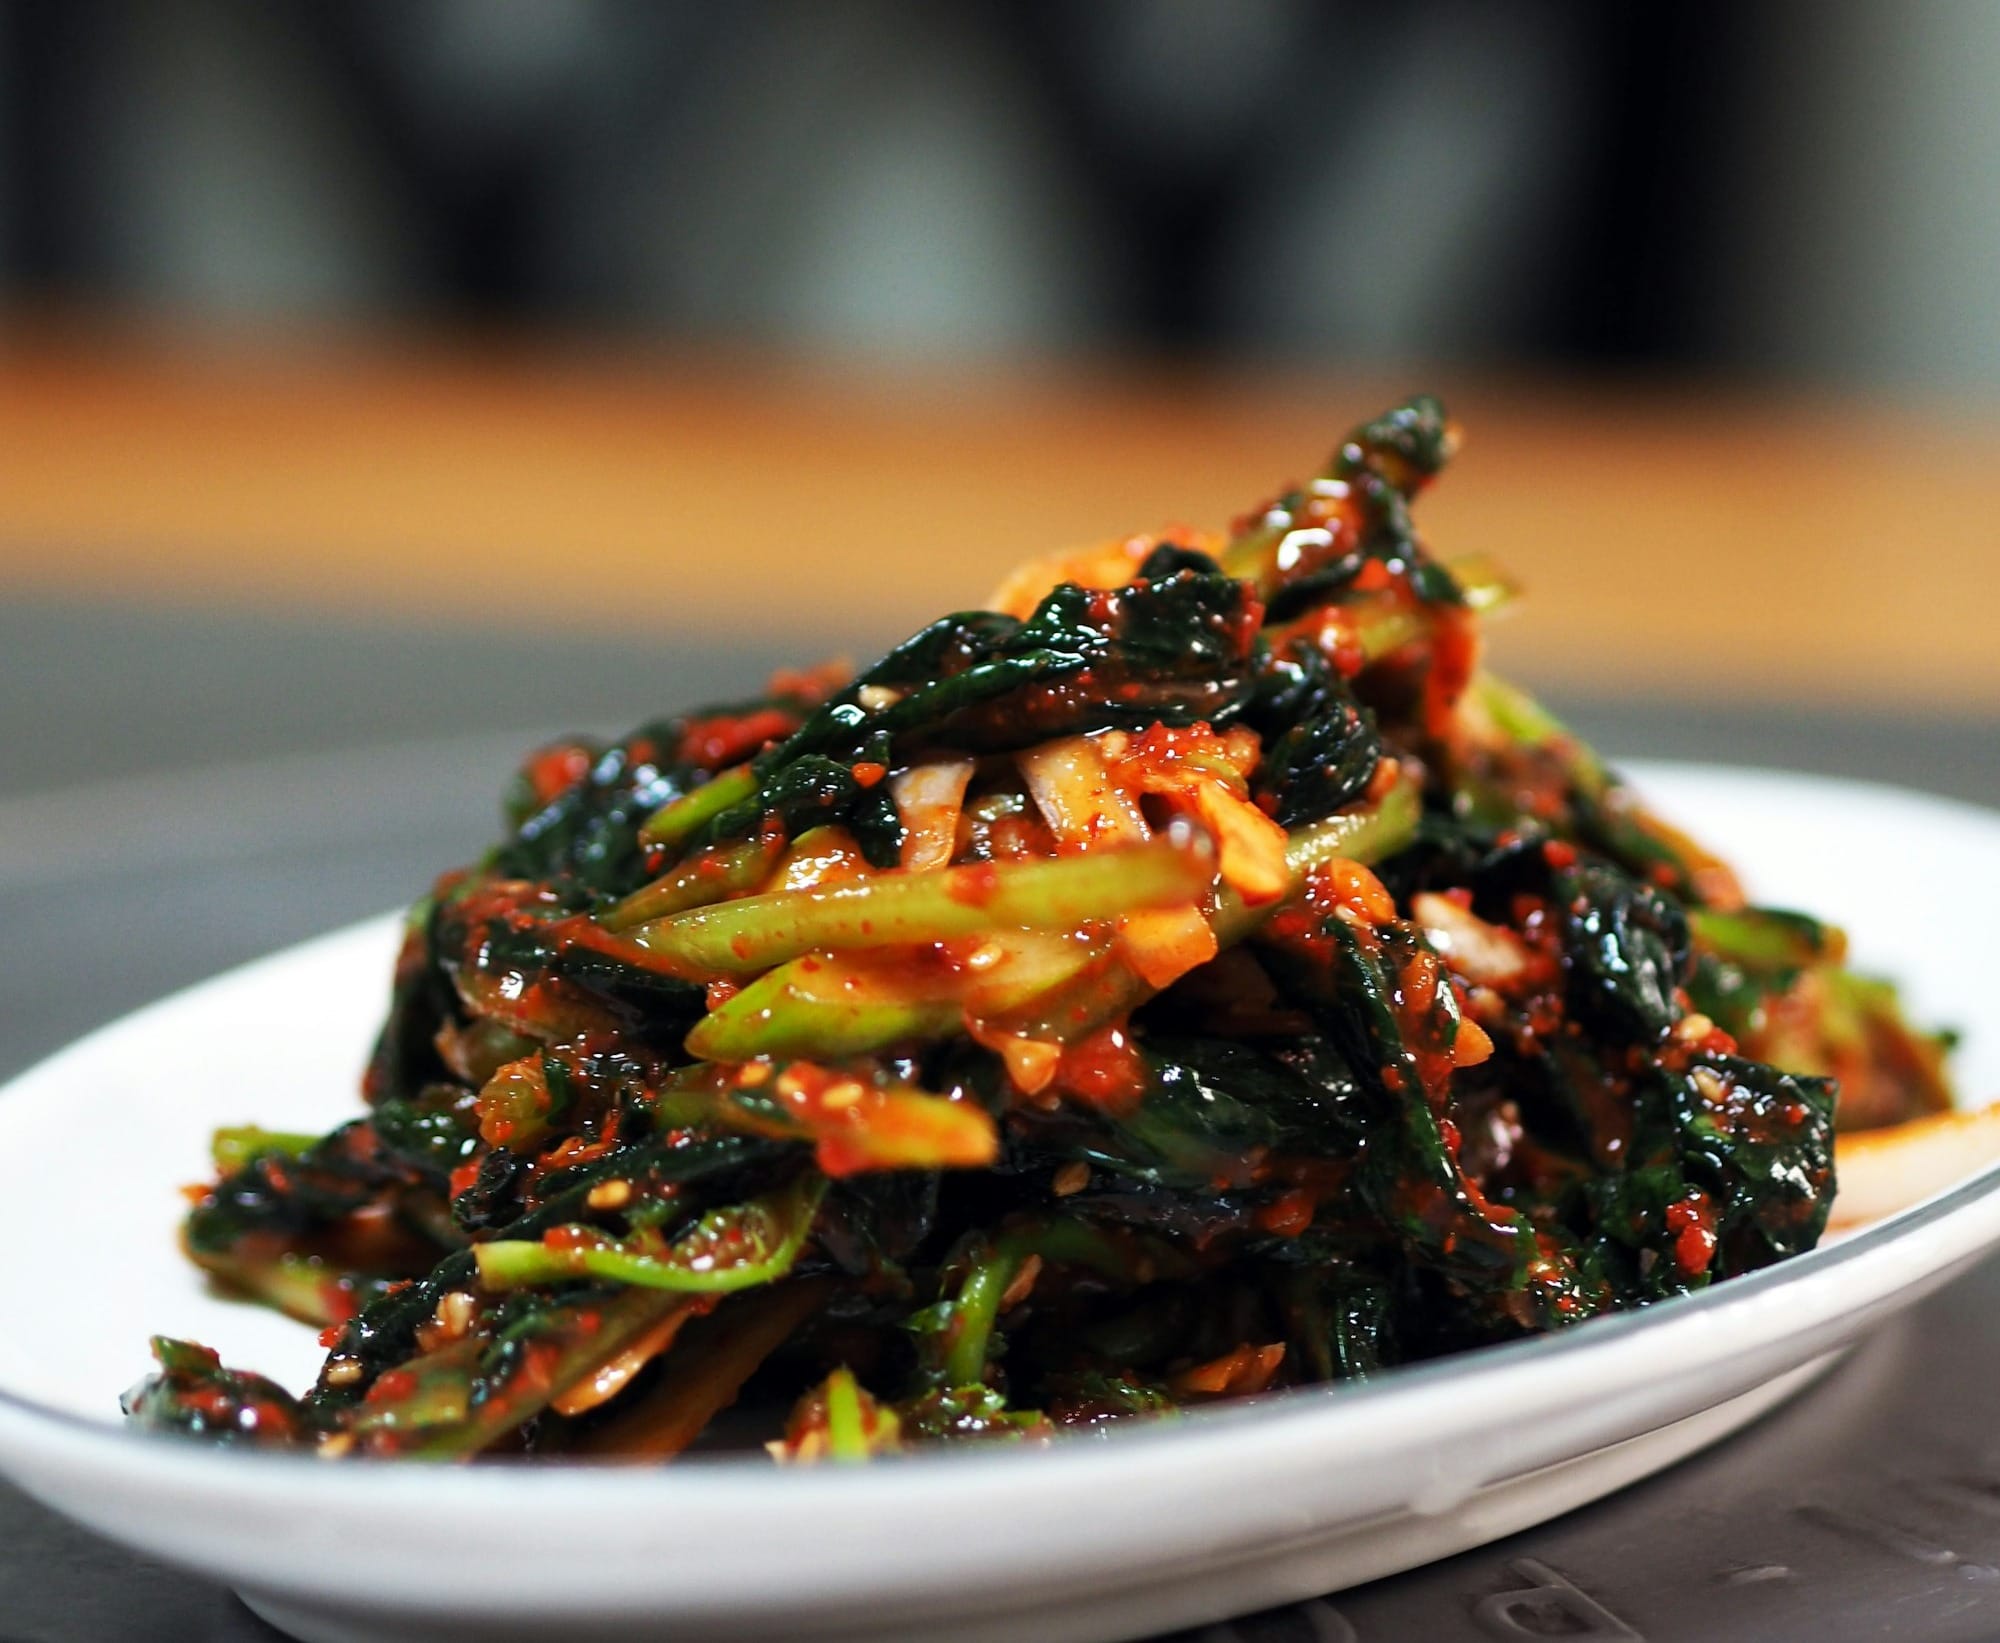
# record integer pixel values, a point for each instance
(610, 1195)
(454, 1312)
(877, 697)
(343, 1372)
(1070, 1179)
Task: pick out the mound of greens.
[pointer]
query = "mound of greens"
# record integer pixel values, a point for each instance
(1194, 976)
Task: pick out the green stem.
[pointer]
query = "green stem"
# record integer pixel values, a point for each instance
(300, 1286)
(587, 1336)
(846, 1435)
(1367, 836)
(727, 870)
(236, 1146)
(756, 933)
(976, 1313)
(1106, 989)
(729, 1249)
(673, 824)
(828, 1009)
(976, 1310)
(1608, 813)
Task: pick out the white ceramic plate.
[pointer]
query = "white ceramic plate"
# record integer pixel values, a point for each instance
(1101, 1538)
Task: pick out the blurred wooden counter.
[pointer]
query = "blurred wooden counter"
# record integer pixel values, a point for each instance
(1698, 544)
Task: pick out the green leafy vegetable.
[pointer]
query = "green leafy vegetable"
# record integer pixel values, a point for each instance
(1196, 978)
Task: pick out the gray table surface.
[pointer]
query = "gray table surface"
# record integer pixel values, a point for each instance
(181, 791)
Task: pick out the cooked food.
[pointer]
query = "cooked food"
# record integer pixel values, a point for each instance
(1194, 975)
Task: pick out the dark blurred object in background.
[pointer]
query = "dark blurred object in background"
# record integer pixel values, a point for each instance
(1799, 187)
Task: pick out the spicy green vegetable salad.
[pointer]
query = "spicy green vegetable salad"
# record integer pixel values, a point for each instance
(1194, 975)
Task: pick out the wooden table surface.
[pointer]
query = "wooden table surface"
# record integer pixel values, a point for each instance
(1824, 551)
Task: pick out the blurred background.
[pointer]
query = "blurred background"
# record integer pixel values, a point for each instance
(1795, 188)
(401, 368)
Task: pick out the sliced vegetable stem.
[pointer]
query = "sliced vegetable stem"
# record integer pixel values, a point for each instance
(905, 909)
(726, 870)
(673, 824)
(735, 1248)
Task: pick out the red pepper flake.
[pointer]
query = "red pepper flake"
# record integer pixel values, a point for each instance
(721, 992)
(1104, 1069)
(463, 1177)
(1242, 632)
(1558, 854)
(810, 684)
(733, 737)
(868, 773)
(392, 1387)
(1454, 655)
(340, 1301)
(555, 770)
(1692, 1223)
(533, 1378)
(1287, 1215)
